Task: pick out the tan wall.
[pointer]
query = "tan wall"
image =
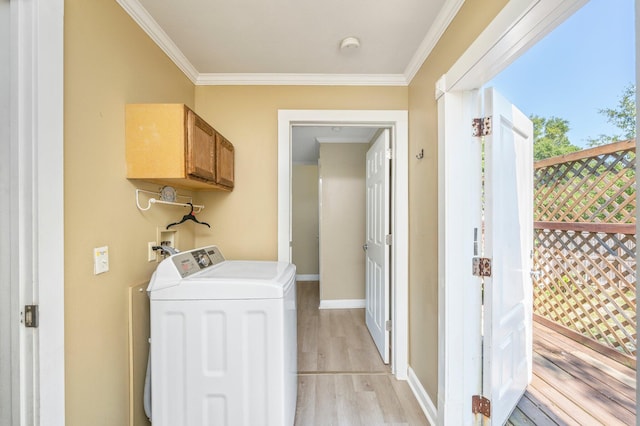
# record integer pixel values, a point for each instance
(108, 62)
(472, 18)
(245, 222)
(304, 219)
(342, 220)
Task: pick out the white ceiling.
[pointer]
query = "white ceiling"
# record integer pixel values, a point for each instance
(295, 41)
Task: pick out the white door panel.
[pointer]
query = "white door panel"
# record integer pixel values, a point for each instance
(509, 243)
(377, 251)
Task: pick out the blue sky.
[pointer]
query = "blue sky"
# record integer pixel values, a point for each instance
(581, 66)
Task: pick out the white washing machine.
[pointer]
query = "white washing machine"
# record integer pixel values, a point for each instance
(223, 341)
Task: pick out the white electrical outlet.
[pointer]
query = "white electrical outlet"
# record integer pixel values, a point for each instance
(152, 256)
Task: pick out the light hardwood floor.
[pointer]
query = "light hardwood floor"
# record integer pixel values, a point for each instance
(341, 378)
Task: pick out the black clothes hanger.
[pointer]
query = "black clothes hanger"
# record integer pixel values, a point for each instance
(188, 216)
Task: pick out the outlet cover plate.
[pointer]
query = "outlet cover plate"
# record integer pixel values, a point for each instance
(152, 256)
(100, 260)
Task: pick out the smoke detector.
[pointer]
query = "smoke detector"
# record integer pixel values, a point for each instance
(349, 43)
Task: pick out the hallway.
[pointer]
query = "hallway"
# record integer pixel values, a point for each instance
(341, 378)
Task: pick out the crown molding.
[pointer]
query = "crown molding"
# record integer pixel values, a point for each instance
(442, 21)
(149, 25)
(276, 79)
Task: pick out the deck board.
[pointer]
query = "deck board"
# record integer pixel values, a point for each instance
(529, 407)
(575, 385)
(618, 392)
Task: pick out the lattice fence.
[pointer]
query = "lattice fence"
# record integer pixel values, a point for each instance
(585, 244)
(597, 188)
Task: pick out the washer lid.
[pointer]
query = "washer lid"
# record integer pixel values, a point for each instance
(231, 279)
(235, 279)
(245, 270)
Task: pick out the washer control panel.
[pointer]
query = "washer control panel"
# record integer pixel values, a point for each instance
(189, 262)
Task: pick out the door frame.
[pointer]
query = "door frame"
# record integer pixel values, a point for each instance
(398, 122)
(36, 213)
(519, 25)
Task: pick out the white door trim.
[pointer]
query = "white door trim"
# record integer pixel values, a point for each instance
(459, 293)
(8, 318)
(399, 123)
(519, 25)
(37, 188)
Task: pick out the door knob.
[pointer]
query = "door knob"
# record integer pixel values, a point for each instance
(365, 247)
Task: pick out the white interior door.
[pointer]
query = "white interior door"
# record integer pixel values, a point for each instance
(507, 358)
(32, 226)
(376, 248)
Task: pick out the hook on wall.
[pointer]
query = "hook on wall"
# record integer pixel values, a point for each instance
(420, 155)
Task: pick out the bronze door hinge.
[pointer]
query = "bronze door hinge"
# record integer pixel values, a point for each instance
(481, 405)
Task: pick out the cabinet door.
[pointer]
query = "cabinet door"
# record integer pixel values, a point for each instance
(200, 148)
(224, 161)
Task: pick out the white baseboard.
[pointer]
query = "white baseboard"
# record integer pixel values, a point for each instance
(342, 304)
(430, 410)
(307, 277)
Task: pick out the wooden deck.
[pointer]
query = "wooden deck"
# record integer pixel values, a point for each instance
(575, 385)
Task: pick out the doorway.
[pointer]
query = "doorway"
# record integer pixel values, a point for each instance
(328, 170)
(397, 121)
(341, 178)
(518, 26)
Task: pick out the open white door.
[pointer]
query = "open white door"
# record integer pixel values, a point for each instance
(507, 348)
(376, 247)
(31, 212)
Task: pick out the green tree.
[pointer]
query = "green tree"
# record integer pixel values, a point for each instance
(623, 117)
(550, 137)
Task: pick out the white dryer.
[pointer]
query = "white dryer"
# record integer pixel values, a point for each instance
(223, 341)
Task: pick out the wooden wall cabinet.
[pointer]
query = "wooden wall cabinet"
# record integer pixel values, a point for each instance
(170, 144)
(224, 164)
